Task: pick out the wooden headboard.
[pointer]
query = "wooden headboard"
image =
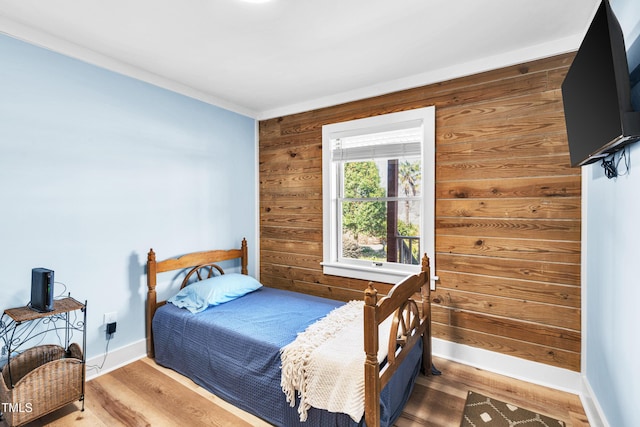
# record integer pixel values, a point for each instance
(192, 260)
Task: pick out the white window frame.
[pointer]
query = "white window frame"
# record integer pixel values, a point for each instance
(380, 271)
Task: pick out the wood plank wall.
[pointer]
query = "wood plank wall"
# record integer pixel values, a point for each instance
(507, 209)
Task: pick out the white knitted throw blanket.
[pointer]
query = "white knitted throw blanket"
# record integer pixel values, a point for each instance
(325, 363)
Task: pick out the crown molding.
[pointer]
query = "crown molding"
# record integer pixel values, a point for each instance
(58, 45)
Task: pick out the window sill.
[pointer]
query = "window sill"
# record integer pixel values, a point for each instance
(375, 274)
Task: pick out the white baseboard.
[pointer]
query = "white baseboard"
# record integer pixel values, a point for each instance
(514, 367)
(591, 406)
(116, 358)
(525, 370)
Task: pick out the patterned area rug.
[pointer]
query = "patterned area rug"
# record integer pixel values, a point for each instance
(489, 412)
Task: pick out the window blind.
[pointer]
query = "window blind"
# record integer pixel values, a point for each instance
(402, 142)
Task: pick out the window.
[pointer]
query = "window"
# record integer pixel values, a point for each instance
(378, 191)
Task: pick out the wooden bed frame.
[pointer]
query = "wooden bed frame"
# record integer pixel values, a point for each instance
(408, 301)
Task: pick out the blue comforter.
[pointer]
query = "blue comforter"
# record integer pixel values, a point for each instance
(233, 350)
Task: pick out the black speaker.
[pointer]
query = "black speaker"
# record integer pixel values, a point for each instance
(42, 289)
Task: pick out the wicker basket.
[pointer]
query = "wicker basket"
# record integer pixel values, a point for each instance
(45, 378)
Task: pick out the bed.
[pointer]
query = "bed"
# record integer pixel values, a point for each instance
(235, 349)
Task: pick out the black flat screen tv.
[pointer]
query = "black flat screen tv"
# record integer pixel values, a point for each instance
(596, 93)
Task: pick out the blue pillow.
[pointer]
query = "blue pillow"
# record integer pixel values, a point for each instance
(214, 291)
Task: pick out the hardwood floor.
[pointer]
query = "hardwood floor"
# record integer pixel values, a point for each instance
(145, 394)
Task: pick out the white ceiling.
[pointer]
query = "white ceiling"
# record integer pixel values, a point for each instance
(287, 56)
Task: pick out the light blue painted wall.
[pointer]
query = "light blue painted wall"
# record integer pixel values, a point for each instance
(613, 291)
(612, 282)
(96, 168)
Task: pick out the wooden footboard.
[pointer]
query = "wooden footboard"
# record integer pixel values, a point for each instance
(411, 323)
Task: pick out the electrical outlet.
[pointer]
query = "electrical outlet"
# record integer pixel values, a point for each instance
(111, 317)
